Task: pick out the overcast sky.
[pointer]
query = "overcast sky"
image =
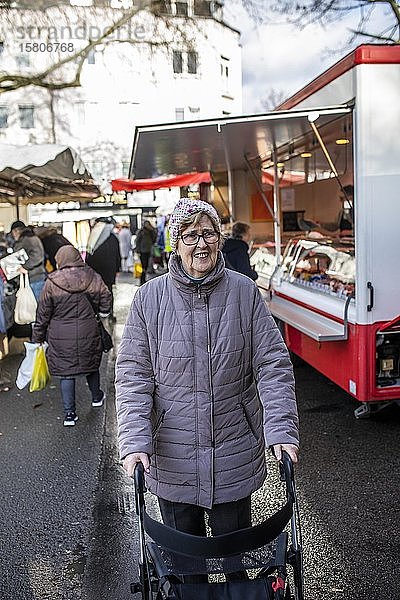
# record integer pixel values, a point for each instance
(280, 57)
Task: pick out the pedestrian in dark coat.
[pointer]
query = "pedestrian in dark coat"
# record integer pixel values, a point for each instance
(203, 382)
(52, 241)
(103, 253)
(66, 319)
(236, 250)
(26, 239)
(145, 238)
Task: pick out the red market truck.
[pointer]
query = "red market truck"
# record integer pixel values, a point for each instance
(318, 180)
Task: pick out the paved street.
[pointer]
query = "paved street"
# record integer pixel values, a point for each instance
(67, 528)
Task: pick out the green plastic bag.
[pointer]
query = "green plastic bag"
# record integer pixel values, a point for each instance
(40, 373)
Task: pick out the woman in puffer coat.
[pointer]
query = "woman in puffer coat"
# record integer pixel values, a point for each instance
(66, 319)
(203, 383)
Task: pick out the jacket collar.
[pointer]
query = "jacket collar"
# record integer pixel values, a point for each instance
(181, 280)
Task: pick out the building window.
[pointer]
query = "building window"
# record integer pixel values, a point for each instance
(26, 117)
(181, 9)
(202, 8)
(195, 112)
(161, 7)
(3, 117)
(178, 62)
(192, 62)
(185, 62)
(91, 57)
(179, 114)
(225, 73)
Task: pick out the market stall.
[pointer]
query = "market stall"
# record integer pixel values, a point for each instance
(318, 179)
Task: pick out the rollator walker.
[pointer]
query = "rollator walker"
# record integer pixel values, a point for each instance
(260, 554)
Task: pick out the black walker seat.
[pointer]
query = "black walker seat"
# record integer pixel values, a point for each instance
(172, 558)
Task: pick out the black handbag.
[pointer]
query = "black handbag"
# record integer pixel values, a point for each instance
(106, 340)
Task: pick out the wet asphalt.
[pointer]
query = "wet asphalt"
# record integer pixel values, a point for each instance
(67, 525)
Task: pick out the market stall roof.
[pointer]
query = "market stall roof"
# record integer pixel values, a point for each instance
(43, 173)
(129, 185)
(222, 144)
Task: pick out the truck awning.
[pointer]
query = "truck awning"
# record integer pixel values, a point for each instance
(221, 144)
(157, 183)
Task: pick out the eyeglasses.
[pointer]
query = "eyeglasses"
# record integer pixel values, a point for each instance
(192, 238)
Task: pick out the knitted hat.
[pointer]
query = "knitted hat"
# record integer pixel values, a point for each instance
(185, 208)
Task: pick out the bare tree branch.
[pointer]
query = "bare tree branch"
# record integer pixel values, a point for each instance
(327, 12)
(380, 38)
(47, 78)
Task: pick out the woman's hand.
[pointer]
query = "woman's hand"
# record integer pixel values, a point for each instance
(130, 461)
(291, 449)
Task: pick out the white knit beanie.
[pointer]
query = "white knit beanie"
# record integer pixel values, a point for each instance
(185, 208)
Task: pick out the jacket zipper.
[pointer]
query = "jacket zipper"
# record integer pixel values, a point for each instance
(195, 389)
(211, 394)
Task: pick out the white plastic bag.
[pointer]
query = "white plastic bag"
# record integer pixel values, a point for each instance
(25, 305)
(26, 367)
(24, 374)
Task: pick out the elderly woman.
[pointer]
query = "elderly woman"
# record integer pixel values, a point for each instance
(203, 382)
(66, 318)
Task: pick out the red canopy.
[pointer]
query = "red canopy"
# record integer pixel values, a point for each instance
(129, 185)
(285, 180)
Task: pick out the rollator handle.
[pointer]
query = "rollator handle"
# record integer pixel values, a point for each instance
(286, 469)
(138, 476)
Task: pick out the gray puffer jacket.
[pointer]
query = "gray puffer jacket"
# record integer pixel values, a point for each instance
(202, 375)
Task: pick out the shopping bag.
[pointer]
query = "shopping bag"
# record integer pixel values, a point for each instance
(40, 373)
(24, 374)
(137, 270)
(25, 305)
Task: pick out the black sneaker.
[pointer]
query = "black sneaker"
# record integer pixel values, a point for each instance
(99, 402)
(70, 419)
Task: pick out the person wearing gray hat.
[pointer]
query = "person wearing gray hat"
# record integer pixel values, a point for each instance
(204, 383)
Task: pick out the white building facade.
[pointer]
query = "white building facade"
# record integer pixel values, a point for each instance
(183, 65)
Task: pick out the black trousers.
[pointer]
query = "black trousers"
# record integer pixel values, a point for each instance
(222, 518)
(144, 259)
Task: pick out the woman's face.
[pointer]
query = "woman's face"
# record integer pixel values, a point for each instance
(199, 259)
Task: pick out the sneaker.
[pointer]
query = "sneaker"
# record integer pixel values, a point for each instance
(99, 402)
(70, 419)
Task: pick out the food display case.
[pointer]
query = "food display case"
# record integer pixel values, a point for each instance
(326, 266)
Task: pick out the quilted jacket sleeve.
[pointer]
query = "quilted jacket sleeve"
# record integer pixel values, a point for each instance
(274, 376)
(134, 385)
(100, 295)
